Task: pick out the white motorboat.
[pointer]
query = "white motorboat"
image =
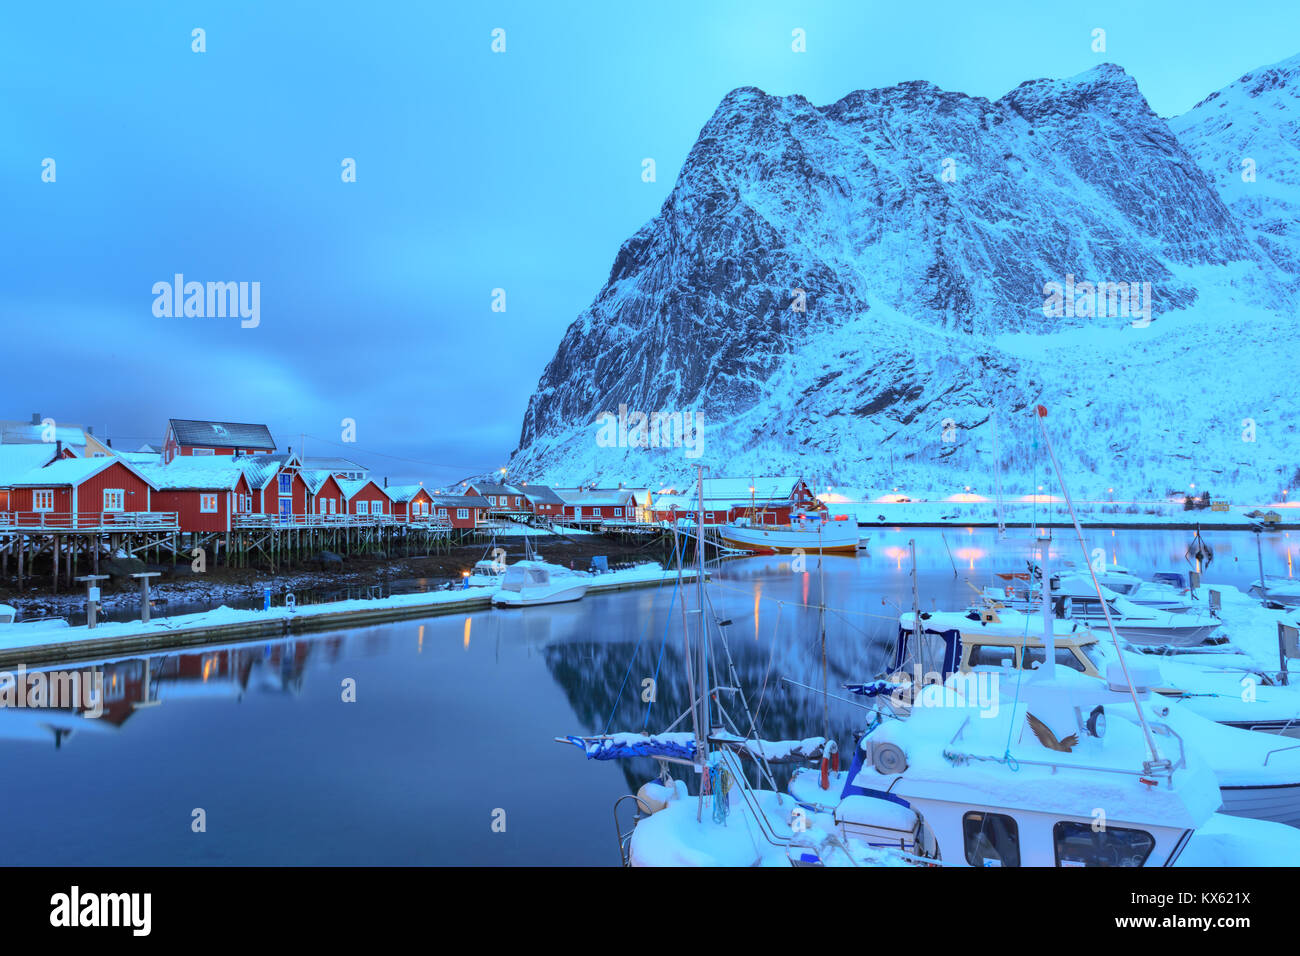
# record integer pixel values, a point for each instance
(527, 583)
(486, 574)
(1074, 598)
(1284, 591)
(1258, 773)
(811, 534)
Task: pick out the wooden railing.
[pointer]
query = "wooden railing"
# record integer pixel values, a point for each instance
(258, 520)
(90, 520)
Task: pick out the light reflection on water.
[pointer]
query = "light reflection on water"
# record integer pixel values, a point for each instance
(454, 715)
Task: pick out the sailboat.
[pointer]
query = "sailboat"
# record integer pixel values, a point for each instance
(958, 782)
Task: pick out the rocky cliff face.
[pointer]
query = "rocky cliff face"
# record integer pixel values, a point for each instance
(857, 292)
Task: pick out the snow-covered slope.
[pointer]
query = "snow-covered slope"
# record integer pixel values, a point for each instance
(925, 228)
(1247, 137)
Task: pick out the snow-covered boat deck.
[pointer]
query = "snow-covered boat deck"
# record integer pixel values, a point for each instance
(47, 643)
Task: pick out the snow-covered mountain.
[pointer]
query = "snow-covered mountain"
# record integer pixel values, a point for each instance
(1247, 137)
(856, 292)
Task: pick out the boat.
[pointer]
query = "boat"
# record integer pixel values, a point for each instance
(808, 533)
(528, 583)
(1075, 598)
(486, 574)
(1284, 591)
(1210, 685)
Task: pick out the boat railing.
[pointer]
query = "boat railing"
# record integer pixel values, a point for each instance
(1164, 767)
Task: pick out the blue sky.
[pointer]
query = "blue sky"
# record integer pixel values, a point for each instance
(475, 171)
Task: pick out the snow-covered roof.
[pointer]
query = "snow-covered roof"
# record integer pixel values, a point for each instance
(460, 501)
(333, 465)
(316, 478)
(33, 433)
(403, 492)
(17, 460)
(737, 490)
(351, 487)
(186, 472)
(259, 470)
(489, 488)
(140, 457)
(74, 471)
(596, 496)
(541, 495)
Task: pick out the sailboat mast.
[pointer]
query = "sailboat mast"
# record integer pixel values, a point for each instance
(704, 635)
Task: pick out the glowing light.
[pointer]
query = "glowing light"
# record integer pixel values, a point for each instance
(468, 621)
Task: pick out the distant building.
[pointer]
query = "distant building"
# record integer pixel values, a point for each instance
(338, 467)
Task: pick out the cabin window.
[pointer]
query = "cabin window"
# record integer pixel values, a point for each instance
(208, 504)
(442, 513)
(42, 500)
(248, 503)
(286, 484)
(492, 500)
(462, 512)
(201, 451)
(618, 513)
(992, 839)
(991, 655)
(1064, 657)
(1078, 844)
(376, 507)
(114, 499)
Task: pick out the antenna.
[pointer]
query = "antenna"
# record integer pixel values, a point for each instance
(1041, 412)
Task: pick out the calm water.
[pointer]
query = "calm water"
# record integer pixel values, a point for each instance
(454, 716)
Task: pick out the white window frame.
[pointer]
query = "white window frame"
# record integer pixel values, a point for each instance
(204, 498)
(363, 507)
(462, 512)
(442, 512)
(43, 499)
(618, 512)
(283, 480)
(201, 451)
(111, 494)
(376, 507)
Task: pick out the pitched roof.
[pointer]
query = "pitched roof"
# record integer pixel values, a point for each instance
(490, 488)
(351, 487)
(737, 490)
(596, 496)
(332, 465)
(541, 495)
(73, 471)
(29, 433)
(187, 431)
(460, 501)
(259, 471)
(316, 478)
(17, 460)
(186, 473)
(403, 492)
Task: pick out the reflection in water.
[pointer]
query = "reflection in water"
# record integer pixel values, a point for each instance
(445, 728)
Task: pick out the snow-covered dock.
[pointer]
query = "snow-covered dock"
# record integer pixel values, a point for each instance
(49, 643)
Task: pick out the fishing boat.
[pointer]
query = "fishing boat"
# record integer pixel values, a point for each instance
(528, 583)
(809, 533)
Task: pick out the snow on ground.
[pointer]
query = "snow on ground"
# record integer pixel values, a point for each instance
(13, 636)
(941, 510)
